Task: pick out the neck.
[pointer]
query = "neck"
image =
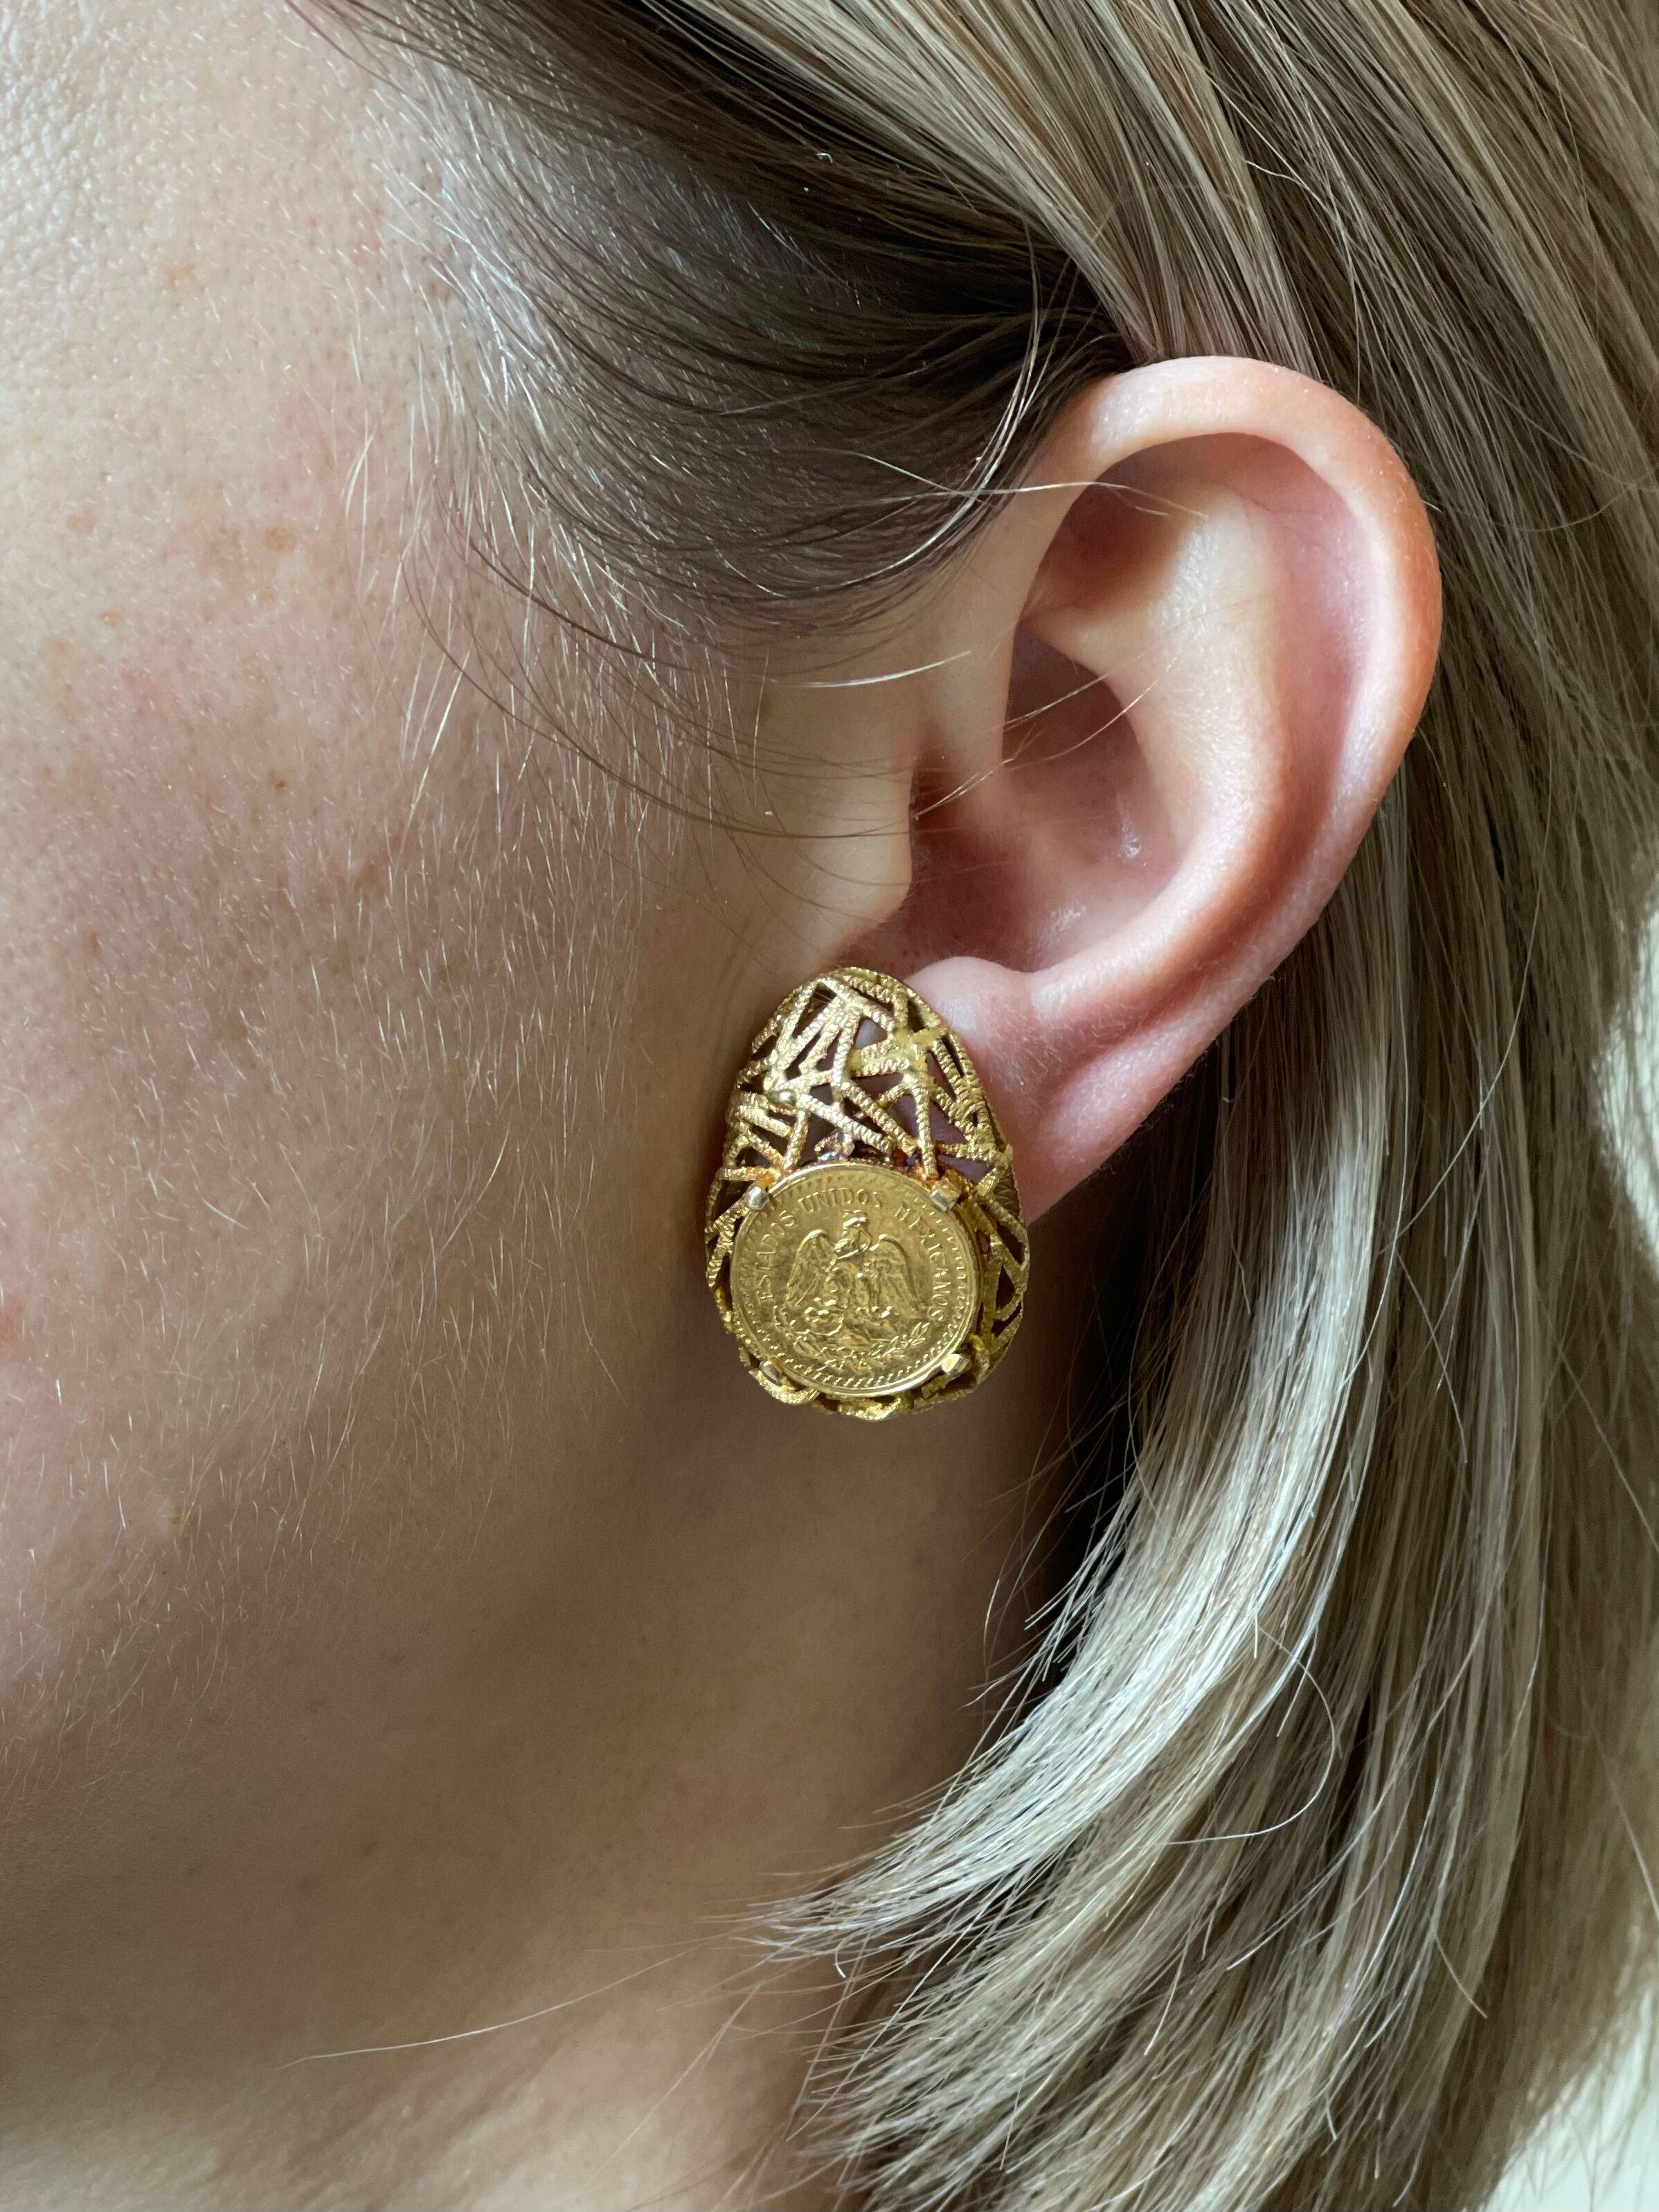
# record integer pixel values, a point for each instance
(513, 1891)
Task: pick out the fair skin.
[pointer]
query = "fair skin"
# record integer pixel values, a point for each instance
(418, 1621)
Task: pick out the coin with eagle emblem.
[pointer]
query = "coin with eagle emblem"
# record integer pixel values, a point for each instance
(852, 1281)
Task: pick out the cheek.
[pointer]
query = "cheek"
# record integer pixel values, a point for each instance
(284, 954)
(203, 790)
(265, 941)
(186, 783)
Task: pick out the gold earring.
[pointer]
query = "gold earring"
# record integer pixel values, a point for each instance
(864, 1240)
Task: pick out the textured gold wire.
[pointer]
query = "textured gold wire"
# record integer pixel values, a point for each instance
(855, 1066)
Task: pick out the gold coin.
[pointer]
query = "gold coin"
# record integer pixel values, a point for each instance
(852, 1281)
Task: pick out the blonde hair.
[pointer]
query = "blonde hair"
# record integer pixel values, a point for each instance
(1310, 1869)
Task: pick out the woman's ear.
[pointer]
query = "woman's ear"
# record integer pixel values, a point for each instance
(1179, 671)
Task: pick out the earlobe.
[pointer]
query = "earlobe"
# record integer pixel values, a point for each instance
(1217, 609)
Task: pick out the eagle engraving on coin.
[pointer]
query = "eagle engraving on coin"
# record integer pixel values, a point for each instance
(851, 1281)
(853, 1289)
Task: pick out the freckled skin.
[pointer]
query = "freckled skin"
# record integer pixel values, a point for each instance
(389, 1547)
(276, 951)
(144, 641)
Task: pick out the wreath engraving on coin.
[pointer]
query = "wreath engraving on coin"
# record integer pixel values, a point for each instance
(852, 1280)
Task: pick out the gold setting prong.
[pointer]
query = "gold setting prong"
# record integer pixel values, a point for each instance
(944, 1196)
(754, 1197)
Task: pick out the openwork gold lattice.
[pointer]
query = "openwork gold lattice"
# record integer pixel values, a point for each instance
(855, 1069)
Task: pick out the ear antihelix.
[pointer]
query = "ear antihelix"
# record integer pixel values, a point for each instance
(866, 1245)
